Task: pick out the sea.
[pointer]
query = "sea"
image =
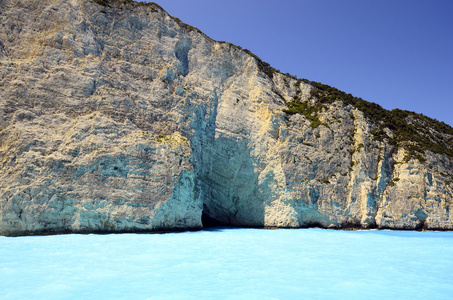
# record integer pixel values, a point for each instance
(230, 263)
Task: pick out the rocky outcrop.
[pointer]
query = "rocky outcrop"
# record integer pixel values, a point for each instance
(116, 117)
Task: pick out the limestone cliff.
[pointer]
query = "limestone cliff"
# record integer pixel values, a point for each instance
(117, 117)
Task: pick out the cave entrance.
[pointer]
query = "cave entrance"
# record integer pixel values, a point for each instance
(208, 221)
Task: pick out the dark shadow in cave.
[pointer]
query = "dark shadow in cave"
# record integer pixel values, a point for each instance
(207, 221)
(212, 224)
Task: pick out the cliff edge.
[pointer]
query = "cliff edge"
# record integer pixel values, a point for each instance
(117, 117)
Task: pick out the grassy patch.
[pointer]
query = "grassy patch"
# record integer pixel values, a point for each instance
(303, 108)
(296, 106)
(325, 181)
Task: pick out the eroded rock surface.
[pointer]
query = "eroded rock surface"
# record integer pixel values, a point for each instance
(121, 118)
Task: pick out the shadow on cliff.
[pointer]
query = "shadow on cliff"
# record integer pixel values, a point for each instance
(226, 183)
(228, 186)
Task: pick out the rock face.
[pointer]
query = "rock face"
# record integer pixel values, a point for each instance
(116, 117)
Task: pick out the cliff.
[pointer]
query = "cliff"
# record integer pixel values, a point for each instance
(117, 117)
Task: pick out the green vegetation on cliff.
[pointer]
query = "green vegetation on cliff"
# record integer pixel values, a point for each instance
(412, 131)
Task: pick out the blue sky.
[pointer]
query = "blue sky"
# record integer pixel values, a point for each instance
(397, 53)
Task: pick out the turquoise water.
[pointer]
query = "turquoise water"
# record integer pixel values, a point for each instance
(230, 264)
